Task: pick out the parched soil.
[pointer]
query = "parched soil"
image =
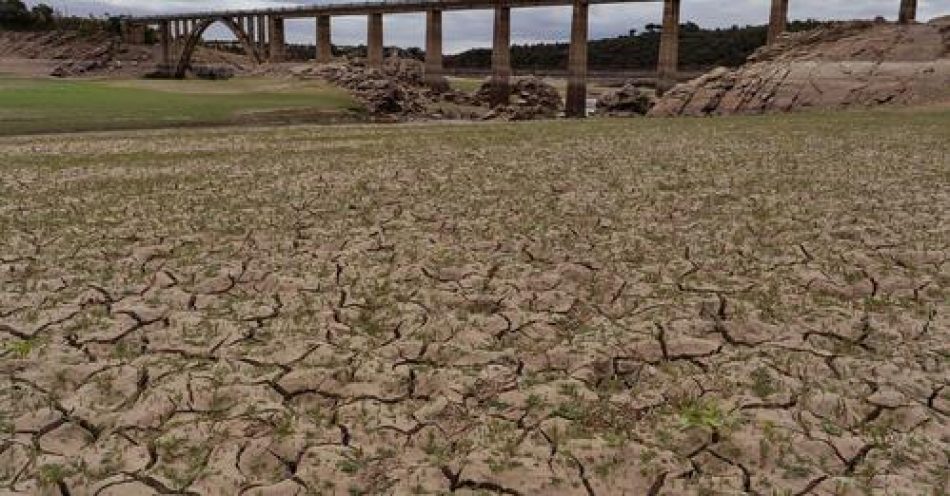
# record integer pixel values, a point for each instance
(662, 307)
(97, 55)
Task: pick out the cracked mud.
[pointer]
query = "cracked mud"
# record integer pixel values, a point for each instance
(741, 306)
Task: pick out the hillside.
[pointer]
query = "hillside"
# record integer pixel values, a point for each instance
(841, 65)
(699, 48)
(96, 53)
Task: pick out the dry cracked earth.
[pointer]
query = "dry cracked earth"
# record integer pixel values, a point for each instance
(649, 307)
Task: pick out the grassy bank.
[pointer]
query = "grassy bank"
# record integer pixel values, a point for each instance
(30, 106)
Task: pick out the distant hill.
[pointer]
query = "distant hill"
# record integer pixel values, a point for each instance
(700, 48)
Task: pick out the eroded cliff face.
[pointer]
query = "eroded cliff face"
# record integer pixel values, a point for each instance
(851, 64)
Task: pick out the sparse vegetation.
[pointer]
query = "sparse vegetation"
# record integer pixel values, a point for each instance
(533, 308)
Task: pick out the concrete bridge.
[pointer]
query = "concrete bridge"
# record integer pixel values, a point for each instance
(261, 33)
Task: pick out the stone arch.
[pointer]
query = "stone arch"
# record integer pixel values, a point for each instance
(188, 51)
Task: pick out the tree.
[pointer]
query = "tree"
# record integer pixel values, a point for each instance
(13, 13)
(700, 48)
(43, 16)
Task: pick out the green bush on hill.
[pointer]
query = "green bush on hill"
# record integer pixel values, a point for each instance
(699, 48)
(15, 15)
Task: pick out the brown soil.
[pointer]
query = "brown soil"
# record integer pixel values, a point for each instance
(851, 64)
(69, 53)
(622, 308)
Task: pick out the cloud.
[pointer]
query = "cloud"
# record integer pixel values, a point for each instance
(466, 29)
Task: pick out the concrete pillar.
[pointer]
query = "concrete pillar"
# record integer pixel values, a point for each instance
(165, 34)
(184, 34)
(669, 46)
(501, 57)
(251, 31)
(324, 44)
(908, 12)
(778, 21)
(374, 41)
(277, 46)
(434, 75)
(175, 35)
(262, 36)
(577, 62)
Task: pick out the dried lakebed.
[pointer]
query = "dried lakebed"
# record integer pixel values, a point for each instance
(646, 307)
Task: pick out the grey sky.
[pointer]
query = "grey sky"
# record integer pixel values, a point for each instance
(463, 30)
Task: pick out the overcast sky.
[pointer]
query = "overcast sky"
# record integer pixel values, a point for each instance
(467, 29)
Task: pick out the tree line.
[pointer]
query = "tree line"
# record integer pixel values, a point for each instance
(699, 48)
(15, 15)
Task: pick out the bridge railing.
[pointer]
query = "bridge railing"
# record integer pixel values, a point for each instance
(382, 6)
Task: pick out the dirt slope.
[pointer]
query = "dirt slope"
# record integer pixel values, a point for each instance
(98, 54)
(60, 45)
(852, 64)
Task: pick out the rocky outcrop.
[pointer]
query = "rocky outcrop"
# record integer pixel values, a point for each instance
(629, 100)
(213, 72)
(396, 90)
(531, 98)
(399, 90)
(52, 45)
(841, 65)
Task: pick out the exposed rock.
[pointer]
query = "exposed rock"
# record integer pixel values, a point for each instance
(100, 56)
(399, 90)
(213, 72)
(848, 64)
(627, 101)
(531, 98)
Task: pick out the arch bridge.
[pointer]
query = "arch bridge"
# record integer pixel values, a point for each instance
(261, 33)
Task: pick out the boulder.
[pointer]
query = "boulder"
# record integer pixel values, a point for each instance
(627, 101)
(530, 98)
(213, 72)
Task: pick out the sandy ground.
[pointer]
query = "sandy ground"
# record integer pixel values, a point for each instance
(634, 307)
(27, 67)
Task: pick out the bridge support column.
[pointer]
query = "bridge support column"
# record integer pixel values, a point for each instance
(908, 13)
(374, 41)
(778, 21)
(165, 33)
(577, 62)
(133, 33)
(501, 57)
(434, 74)
(262, 36)
(277, 48)
(324, 45)
(669, 46)
(138, 33)
(250, 27)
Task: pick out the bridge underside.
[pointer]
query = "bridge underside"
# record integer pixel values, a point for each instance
(262, 34)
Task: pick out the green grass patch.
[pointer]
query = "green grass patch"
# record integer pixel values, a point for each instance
(29, 106)
(469, 85)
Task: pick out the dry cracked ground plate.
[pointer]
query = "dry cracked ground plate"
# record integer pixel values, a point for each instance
(648, 307)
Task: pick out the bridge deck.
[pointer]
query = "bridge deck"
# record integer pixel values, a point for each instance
(384, 7)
